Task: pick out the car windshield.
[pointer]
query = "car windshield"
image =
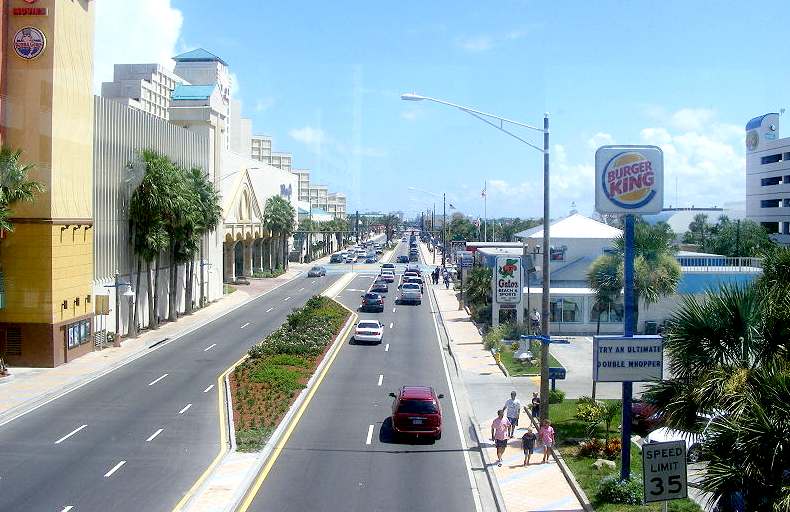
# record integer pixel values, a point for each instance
(316, 269)
(372, 296)
(411, 286)
(418, 407)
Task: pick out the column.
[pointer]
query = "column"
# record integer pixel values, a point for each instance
(228, 270)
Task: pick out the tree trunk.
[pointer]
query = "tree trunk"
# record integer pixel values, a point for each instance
(154, 304)
(134, 317)
(172, 314)
(202, 282)
(189, 271)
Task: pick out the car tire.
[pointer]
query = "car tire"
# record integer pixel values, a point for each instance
(438, 436)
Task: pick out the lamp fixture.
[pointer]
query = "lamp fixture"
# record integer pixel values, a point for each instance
(65, 304)
(87, 299)
(76, 301)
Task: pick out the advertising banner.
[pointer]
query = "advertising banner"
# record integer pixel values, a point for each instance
(507, 280)
(628, 359)
(629, 179)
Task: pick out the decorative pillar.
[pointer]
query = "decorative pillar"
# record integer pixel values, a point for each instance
(228, 270)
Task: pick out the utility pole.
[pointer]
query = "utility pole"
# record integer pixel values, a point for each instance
(544, 353)
(433, 231)
(356, 226)
(444, 230)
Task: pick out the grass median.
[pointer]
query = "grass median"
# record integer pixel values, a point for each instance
(265, 385)
(571, 430)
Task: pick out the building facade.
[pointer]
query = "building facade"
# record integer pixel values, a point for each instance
(768, 177)
(145, 87)
(47, 264)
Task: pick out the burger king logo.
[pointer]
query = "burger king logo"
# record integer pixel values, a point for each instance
(628, 180)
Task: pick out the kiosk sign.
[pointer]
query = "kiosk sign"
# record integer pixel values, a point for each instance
(507, 280)
(627, 359)
(665, 473)
(629, 179)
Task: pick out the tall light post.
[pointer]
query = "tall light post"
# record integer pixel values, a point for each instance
(499, 123)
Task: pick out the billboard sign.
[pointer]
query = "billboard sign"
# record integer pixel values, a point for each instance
(629, 179)
(664, 470)
(507, 280)
(628, 359)
(465, 258)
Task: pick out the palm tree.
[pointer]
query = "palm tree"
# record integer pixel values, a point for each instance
(728, 356)
(280, 217)
(15, 186)
(391, 223)
(656, 271)
(208, 214)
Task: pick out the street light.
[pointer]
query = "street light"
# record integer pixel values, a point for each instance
(499, 122)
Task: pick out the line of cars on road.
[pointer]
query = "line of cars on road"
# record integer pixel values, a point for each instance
(367, 252)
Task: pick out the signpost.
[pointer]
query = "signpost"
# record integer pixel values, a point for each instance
(506, 283)
(664, 471)
(629, 180)
(556, 372)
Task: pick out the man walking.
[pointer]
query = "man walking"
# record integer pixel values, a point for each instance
(534, 320)
(513, 409)
(499, 432)
(535, 405)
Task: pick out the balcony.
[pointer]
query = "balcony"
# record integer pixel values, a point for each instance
(709, 263)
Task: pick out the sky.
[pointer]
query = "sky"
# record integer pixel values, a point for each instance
(324, 80)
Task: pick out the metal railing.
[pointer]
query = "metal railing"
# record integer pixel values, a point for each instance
(720, 263)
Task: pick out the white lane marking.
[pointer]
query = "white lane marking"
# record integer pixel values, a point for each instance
(67, 508)
(208, 388)
(185, 409)
(113, 470)
(70, 434)
(370, 435)
(354, 290)
(157, 380)
(387, 347)
(391, 325)
(269, 309)
(245, 325)
(300, 289)
(472, 483)
(209, 347)
(393, 309)
(381, 378)
(153, 436)
(287, 298)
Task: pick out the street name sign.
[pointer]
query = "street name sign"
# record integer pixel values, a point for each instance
(507, 280)
(629, 179)
(664, 471)
(628, 359)
(465, 259)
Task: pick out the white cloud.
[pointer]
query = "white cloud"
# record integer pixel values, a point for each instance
(264, 104)
(319, 142)
(134, 32)
(308, 135)
(599, 139)
(476, 43)
(692, 119)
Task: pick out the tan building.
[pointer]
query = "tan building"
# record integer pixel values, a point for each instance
(47, 262)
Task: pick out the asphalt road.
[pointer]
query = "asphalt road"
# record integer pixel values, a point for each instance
(342, 456)
(137, 438)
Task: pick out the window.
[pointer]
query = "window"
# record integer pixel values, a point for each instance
(417, 407)
(786, 228)
(609, 313)
(769, 203)
(565, 310)
(771, 159)
(771, 227)
(774, 180)
(558, 253)
(78, 333)
(786, 203)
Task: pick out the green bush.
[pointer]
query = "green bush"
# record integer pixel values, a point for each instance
(627, 492)
(494, 336)
(289, 360)
(252, 439)
(277, 377)
(556, 396)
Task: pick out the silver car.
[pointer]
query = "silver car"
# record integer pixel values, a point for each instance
(410, 293)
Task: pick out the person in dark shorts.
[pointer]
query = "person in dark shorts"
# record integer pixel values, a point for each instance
(535, 405)
(499, 434)
(528, 444)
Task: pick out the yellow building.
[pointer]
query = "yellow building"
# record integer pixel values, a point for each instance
(47, 110)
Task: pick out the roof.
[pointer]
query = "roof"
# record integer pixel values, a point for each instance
(198, 55)
(192, 92)
(573, 226)
(757, 121)
(417, 392)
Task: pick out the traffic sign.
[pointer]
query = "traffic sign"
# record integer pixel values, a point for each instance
(664, 471)
(556, 372)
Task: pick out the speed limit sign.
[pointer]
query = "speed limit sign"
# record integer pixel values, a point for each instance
(664, 467)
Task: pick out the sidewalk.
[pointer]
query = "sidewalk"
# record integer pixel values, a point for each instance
(28, 387)
(537, 487)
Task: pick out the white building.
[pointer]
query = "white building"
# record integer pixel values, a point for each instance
(261, 148)
(145, 87)
(768, 176)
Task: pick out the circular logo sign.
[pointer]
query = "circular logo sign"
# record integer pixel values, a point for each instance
(629, 180)
(752, 140)
(29, 42)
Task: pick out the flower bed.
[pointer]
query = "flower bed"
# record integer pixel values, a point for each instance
(265, 385)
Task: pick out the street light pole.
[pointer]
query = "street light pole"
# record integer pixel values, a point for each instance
(444, 230)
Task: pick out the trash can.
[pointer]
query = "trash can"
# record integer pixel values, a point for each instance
(651, 327)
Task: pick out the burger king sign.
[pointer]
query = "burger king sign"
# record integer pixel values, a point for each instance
(629, 179)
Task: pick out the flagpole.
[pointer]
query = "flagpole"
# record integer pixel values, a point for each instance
(485, 212)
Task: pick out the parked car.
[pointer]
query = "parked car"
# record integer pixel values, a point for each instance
(416, 411)
(693, 439)
(380, 287)
(369, 330)
(372, 302)
(403, 259)
(316, 272)
(644, 416)
(410, 293)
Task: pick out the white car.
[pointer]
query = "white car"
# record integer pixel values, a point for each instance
(369, 330)
(693, 440)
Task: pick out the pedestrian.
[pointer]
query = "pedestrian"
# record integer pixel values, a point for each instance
(528, 444)
(513, 409)
(499, 429)
(446, 281)
(535, 405)
(546, 434)
(534, 319)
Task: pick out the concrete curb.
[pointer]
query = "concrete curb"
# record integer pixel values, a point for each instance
(22, 409)
(263, 456)
(492, 480)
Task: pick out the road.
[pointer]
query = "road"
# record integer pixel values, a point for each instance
(137, 438)
(342, 455)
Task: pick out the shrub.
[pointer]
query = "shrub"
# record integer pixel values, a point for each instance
(252, 439)
(481, 314)
(494, 336)
(627, 492)
(289, 360)
(612, 448)
(556, 396)
(591, 447)
(588, 412)
(277, 377)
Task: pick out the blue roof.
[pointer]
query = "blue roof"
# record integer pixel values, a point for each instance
(192, 92)
(757, 121)
(198, 55)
